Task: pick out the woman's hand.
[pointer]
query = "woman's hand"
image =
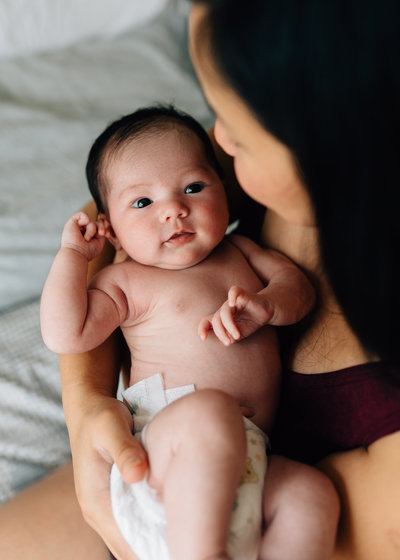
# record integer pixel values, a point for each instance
(101, 436)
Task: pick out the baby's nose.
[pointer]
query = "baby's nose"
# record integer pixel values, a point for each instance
(174, 209)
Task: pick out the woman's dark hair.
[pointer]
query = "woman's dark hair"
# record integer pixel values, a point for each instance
(323, 76)
(120, 132)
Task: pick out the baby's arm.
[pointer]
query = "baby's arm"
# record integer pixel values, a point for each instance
(287, 297)
(73, 318)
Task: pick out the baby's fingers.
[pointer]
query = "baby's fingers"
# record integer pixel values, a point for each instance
(103, 226)
(237, 297)
(227, 318)
(78, 221)
(75, 226)
(220, 331)
(205, 325)
(81, 219)
(222, 324)
(87, 228)
(90, 231)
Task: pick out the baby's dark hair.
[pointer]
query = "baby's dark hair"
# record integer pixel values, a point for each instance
(122, 131)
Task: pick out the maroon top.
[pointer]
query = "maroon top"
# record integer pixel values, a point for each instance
(323, 413)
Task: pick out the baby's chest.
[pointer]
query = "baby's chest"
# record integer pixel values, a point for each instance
(170, 297)
(191, 299)
(170, 317)
(204, 291)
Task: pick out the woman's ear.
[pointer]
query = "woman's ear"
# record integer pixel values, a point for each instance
(109, 232)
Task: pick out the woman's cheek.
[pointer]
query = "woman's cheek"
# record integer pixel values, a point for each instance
(246, 179)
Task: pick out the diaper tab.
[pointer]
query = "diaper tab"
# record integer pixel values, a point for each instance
(148, 396)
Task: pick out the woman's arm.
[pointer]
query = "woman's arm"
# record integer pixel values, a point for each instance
(44, 522)
(100, 427)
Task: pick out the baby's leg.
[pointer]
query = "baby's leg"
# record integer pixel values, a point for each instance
(197, 451)
(301, 511)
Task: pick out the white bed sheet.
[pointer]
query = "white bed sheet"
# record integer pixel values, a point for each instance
(28, 26)
(52, 106)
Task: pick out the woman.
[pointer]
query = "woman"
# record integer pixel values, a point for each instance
(311, 126)
(305, 96)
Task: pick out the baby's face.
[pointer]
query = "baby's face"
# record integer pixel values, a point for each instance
(166, 203)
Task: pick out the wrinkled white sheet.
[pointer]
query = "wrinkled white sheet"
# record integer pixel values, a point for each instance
(52, 106)
(28, 26)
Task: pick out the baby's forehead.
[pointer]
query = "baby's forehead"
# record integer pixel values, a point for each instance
(173, 147)
(153, 139)
(165, 131)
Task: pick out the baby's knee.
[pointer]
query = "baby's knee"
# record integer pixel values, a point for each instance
(300, 489)
(215, 409)
(210, 412)
(301, 501)
(317, 490)
(212, 402)
(325, 492)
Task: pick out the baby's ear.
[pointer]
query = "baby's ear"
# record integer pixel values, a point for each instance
(109, 232)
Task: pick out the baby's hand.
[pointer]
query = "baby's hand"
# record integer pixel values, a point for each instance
(240, 316)
(85, 236)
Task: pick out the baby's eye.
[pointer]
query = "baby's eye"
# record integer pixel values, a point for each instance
(142, 202)
(194, 188)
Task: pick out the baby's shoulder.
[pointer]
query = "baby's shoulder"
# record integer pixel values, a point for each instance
(244, 244)
(118, 274)
(135, 284)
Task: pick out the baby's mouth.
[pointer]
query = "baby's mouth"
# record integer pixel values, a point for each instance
(180, 238)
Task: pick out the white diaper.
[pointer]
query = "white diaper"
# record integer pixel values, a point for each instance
(140, 516)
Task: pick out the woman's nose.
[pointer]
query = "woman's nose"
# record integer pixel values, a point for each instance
(172, 210)
(223, 139)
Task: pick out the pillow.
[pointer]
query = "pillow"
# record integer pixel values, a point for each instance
(28, 26)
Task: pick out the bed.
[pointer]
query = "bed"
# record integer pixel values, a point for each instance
(67, 68)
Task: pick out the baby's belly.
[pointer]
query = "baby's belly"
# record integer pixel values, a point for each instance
(248, 370)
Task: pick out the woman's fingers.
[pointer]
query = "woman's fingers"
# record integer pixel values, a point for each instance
(106, 440)
(118, 445)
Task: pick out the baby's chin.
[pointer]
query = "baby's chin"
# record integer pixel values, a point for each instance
(168, 265)
(181, 262)
(181, 265)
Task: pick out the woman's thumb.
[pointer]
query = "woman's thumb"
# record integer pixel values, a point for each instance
(131, 461)
(122, 447)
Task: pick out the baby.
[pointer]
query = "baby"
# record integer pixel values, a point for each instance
(196, 308)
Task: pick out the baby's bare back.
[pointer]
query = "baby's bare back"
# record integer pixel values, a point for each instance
(162, 332)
